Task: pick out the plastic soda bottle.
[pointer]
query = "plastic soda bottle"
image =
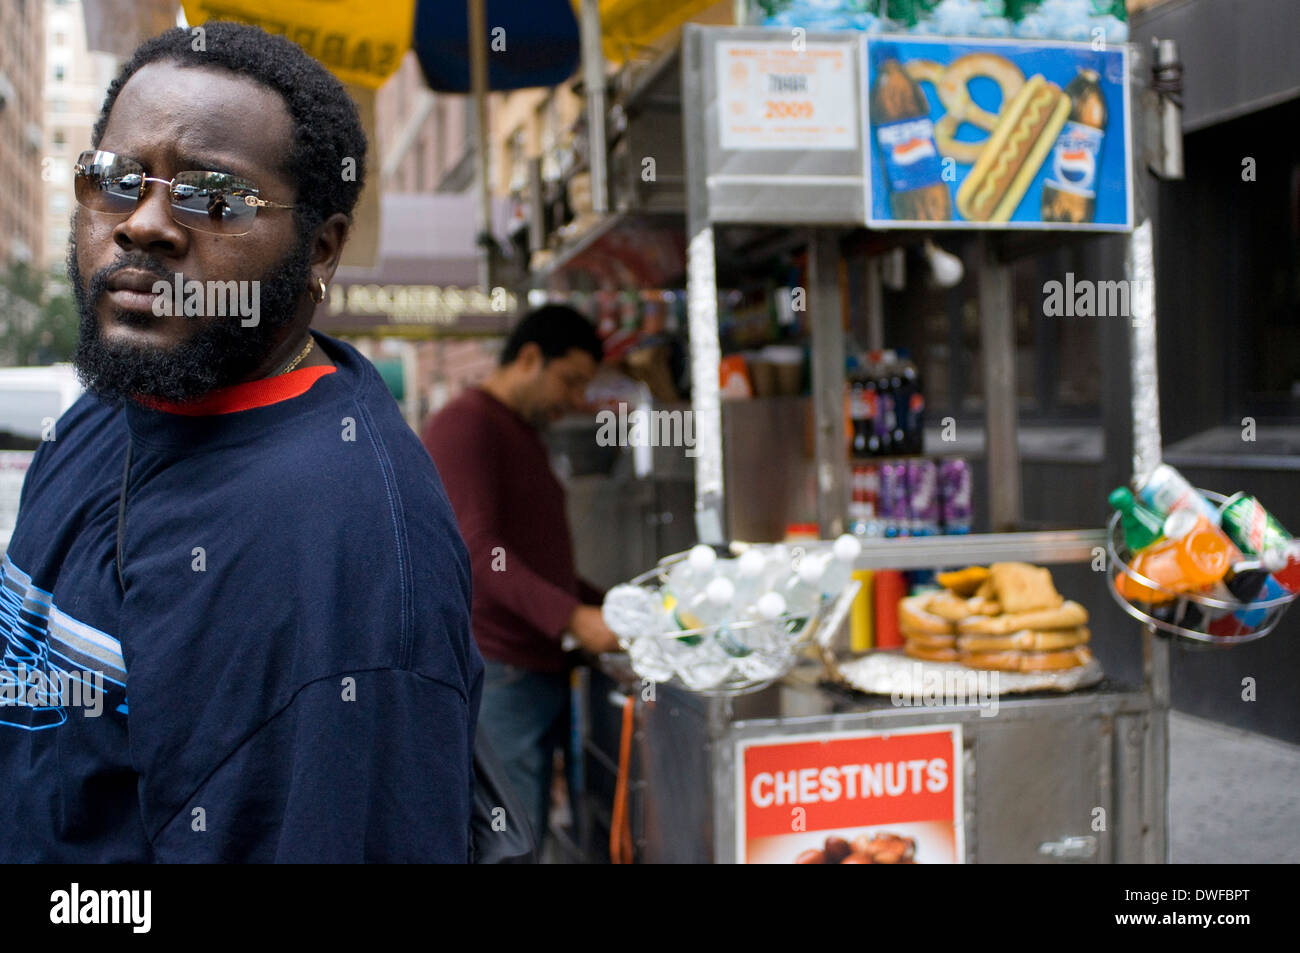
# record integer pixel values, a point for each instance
(1141, 526)
(1194, 554)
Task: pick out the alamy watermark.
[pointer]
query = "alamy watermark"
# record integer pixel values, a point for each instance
(38, 689)
(131, 908)
(1091, 299)
(920, 686)
(214, 299)
(646, 428)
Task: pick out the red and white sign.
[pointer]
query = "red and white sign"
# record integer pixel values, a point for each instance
(794, 791)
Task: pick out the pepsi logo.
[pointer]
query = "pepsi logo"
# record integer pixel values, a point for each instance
(1074, 166)
(913, 150)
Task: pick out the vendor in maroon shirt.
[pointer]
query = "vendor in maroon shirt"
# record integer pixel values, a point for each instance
(510, 508)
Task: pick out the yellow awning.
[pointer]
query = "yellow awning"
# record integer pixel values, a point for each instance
(359, 41)
(629, 26)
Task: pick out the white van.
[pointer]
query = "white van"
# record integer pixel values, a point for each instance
(31, 400)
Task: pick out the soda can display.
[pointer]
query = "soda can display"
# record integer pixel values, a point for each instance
(1253, 528)
(923, 497)
(1164, 490)
(894, 508)
(870, 491)
(955, 486)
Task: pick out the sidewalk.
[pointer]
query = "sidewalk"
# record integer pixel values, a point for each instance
(1234, 796)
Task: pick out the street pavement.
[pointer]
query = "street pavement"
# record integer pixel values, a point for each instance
(1234, 796)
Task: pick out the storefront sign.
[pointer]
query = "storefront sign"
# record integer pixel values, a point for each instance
(875, 790)
(438, 308)
(772, 95)
(997, 134)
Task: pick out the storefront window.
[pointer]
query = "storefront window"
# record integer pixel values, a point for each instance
(1229, 279)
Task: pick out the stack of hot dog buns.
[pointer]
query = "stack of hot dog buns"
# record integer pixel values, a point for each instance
(1007, 617)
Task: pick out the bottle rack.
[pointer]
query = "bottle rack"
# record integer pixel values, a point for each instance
(1190, 615)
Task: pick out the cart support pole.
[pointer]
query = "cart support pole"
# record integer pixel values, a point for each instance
(875, 306)
(593, 77)
(706, 392)
(702, 313)
(998, 344)
(478, 79)
(828, 379)
(1140, 268)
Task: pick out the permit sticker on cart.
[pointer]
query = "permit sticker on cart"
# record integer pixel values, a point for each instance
(862, 797)
(773, 96)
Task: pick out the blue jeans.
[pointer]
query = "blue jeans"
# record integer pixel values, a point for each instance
(525, 715)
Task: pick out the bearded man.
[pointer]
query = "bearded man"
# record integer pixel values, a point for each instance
(234, 546)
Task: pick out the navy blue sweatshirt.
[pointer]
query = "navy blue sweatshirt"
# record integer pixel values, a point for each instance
(288, 672)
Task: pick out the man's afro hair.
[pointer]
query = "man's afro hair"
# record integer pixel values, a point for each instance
(326, 127)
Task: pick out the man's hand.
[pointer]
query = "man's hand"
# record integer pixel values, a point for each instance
(592, 633)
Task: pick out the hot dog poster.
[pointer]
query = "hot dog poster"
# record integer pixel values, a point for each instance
(997, 134)
(854, 797)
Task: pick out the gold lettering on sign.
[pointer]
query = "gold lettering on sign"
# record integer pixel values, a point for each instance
(414, 304)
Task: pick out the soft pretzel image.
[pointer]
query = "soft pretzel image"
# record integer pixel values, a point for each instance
(951, 85)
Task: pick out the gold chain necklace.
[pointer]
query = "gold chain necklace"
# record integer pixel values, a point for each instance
(298, 360)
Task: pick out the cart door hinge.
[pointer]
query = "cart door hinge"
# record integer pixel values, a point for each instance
(1070, 848)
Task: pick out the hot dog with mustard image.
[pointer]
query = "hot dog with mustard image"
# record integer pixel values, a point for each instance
(1016, 150)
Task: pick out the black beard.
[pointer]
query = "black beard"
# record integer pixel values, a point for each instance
(220, 354)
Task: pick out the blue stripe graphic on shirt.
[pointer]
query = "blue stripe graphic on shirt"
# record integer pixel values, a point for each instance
(40, 637)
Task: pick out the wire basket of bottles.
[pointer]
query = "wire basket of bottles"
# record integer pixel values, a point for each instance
(1205, 572)
(724, 626)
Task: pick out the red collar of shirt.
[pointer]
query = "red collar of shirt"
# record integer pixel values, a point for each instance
(245, 396)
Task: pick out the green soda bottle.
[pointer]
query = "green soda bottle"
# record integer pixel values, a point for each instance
(1019, 9)
(1141, 526)
(908, 13)
(1115, 8)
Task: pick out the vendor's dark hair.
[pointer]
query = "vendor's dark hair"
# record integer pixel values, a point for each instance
(556, 329)
(326, 127)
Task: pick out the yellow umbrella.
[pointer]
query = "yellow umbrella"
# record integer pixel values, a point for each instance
(359, 41)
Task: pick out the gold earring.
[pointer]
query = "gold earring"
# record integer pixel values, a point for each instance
(320, 285)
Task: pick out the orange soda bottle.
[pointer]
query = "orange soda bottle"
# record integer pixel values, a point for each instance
(1193, 554)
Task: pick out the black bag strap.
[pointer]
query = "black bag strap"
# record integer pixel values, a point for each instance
(121, 511)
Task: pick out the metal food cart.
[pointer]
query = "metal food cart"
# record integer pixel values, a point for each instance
(1075, 777)
(1067, 777)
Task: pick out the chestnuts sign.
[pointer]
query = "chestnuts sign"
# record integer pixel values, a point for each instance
(853, 798)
